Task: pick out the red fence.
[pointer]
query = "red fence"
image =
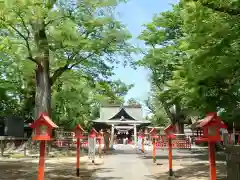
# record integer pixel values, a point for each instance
(67, 143)
(176, 143)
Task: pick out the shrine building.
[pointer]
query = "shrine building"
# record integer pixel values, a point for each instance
(124, 121)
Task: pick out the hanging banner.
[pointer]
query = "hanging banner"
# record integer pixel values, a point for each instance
(91, 148)
(106, 137)
(139, 143)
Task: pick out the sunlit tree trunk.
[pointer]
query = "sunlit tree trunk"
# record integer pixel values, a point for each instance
(43, 84)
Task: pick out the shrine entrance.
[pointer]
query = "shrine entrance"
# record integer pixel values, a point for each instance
(123, 123)
(124, 136)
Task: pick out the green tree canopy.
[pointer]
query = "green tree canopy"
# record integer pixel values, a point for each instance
(193, 56)
(58, 56)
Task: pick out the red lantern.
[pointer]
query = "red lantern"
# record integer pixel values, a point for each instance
(140, 135)
(153, 133)
(42, 128)
(78, 132)
(170, 130)
(93, 133)
(210, 127)
(78, 135)
(42, 131)
(99, 135)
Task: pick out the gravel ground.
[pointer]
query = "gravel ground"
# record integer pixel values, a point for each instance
(55, 168)
(187, 165)
(123, 163)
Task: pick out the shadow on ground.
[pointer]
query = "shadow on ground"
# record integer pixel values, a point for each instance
(185, 154)
(187, 165)
(116, 152)
(24, 170)
(195, 171)
(108, 178)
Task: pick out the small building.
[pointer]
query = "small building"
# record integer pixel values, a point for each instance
(123, 121)
(11, 126)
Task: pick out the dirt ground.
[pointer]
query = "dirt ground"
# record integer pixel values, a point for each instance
(186, 166)
(55, 168)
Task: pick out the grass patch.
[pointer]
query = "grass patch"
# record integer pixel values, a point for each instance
(17, 156)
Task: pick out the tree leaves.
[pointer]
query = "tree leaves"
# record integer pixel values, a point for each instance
(83, 40)
(194, 56)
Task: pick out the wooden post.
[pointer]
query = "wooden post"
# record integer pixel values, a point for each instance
(170, 156)
(2, 147)
(49, 146)
(212, 160)
(229, 138)
(108, 146)
(105, 147)
(104, 143)
(143, 144)
(41, 160)
(78, 158)
(100, 147)
(25, 150)
(154, 151)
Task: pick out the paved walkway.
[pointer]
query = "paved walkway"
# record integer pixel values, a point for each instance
(124, 164)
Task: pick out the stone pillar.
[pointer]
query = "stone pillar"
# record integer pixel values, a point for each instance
(135, 135)
(112, 136)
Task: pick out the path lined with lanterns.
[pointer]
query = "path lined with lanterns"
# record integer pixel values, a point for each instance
(123, 164)
(129, 161)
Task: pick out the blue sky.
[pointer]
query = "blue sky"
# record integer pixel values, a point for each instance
(134, 14)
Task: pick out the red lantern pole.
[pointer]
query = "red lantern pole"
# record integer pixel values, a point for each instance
(41, 160)
(78, 158)
(212, 160)
(170, 156)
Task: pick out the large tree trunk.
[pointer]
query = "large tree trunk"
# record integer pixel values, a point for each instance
(179, 121)
(43, 89)
(43, 86)
(176, 117)
(179, 127)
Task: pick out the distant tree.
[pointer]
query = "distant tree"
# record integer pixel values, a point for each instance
(133, 102)
(157, 114)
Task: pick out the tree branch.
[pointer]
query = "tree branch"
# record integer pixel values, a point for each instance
(58, 73)
(50, 3)
(69, 66)
(30, 57)
(52, 20)
(66, 67)
(213, 6)
(24, 24)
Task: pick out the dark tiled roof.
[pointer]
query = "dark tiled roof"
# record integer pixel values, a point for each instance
(116, 112)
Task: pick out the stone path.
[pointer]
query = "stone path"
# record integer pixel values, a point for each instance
(124, 164)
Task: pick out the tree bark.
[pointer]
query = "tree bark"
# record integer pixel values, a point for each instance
(43, 84)
(43, 89)
(179, 120)
(179, 127)
(176, 117)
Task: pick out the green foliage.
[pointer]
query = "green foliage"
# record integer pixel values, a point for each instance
(193, 57)
(82, 45)
(157, 115)
(133, 102)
